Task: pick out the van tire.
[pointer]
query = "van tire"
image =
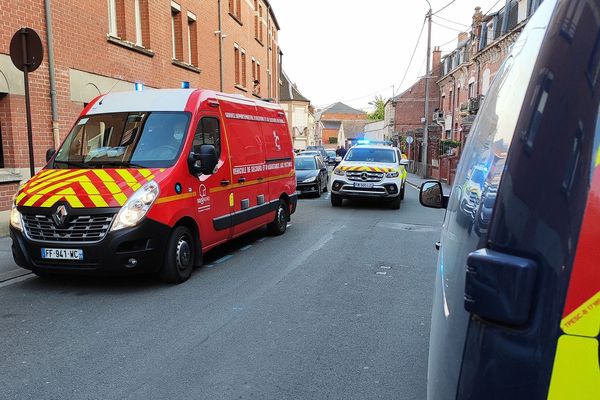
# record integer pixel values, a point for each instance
(180, 256)
(279, 224)
(336, 200)
(402, 192)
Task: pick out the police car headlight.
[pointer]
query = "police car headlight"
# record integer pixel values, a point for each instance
(136, 208)
(339, 171)
(309, 180)
(393, 174)
(15, 218)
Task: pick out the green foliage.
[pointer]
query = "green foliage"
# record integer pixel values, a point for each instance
(451, 143)
(379, 113)
(332, 140)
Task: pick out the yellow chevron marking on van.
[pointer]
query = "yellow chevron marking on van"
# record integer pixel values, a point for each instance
(129, 179)
(68, 195)
(111, 185)
(31, 201)
(37, 186)
(146, 174)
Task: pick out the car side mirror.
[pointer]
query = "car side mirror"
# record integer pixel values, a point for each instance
(432, 196)
(203, 160)
(404, 162)
(50, 153)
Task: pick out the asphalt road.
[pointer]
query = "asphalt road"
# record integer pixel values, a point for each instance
(337, 308)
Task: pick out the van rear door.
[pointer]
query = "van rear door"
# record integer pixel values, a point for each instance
(279, 153)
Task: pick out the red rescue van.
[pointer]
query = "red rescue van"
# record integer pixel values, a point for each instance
(148, 181)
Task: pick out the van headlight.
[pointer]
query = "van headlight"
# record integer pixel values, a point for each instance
(339, 171)
(393, 174)
(136, 207)
(15, 218)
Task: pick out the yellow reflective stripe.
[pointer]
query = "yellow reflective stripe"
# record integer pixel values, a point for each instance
(585, 319)
(598, 157)
(576, 374)
(169, 199)
(146, 173)
(92, 191)
(20, 197)
(68, 195)
(129, 179)
(111, 185)
(31, 201)
(51, 180)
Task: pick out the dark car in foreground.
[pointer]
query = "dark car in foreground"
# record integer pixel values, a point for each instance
(311, 175)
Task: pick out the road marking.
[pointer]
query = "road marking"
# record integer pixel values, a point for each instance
(17, 280)
(408, 227)
(381, 273)
(209, 266)
(223, 259)
(384, 267)
(246, 247)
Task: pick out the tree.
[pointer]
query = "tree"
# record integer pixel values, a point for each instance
(379, 113)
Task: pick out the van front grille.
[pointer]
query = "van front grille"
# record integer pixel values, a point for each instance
(360, 176)
(80, 229)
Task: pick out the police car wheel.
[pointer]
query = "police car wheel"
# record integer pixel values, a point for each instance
(279, 224)
(336, 201)
(395, 204)
(179, 256)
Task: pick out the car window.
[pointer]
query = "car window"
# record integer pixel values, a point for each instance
(208, 132)
(305, 163)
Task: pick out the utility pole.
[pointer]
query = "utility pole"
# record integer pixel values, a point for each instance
(427, 77)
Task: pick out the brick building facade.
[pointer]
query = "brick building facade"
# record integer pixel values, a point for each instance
(109, 45)
(339, 123)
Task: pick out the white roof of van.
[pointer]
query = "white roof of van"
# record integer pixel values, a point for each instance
(164, 100)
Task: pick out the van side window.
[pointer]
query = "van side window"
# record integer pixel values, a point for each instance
(208, 132)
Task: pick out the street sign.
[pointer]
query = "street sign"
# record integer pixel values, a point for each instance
(27, 53)
(409, 139)
(26, 50)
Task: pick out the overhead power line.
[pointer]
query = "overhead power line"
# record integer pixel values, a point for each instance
(447, 27)
(454, 22)
(443, 8)
(411, 58)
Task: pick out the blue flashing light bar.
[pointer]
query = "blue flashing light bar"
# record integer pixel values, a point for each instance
(363, 141)
(185, 84)
(139, 86)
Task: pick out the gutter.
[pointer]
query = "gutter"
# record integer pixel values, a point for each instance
(51, 70)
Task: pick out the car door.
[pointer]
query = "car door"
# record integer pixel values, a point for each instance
(486, 149)
(213, 209)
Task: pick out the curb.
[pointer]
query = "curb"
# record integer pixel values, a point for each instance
(414, 185)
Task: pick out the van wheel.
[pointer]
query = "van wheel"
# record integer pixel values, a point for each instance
(179, 257)
(279, 224)
(402, 192)
(336, 200)
(395, 204)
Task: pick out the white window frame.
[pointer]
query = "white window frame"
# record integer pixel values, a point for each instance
(191, 18)
(112, 18)
(138, 22)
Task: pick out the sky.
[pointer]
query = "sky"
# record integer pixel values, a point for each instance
(354, 50)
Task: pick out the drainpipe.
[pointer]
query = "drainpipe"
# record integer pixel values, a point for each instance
(453, 105)
(269, 66)
(51, 69)
(220, 48)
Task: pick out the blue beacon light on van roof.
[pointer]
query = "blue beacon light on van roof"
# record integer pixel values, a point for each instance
(363, 141)
(185, 84)
(139, 86)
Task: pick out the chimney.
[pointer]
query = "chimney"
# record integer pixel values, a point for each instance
(462, 37)
(477, 20)
(436, 68)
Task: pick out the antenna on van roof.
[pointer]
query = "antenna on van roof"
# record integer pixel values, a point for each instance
(268, 99)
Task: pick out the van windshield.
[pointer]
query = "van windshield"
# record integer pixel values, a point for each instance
(121, 140)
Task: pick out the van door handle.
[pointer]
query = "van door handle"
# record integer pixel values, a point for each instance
(224, 182)
(241, 180)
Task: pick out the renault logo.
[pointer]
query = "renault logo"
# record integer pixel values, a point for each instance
(364, 176)
(60, 216)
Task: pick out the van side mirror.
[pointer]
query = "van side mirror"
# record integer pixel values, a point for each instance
(404, 162)
(203, 160)
(50, 153)
(432, 196)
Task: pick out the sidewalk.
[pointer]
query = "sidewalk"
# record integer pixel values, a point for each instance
(8, 268)
(417, 181)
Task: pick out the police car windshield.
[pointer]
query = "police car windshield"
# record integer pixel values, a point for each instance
(371, 155)
(122, 140)
(305, 163)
